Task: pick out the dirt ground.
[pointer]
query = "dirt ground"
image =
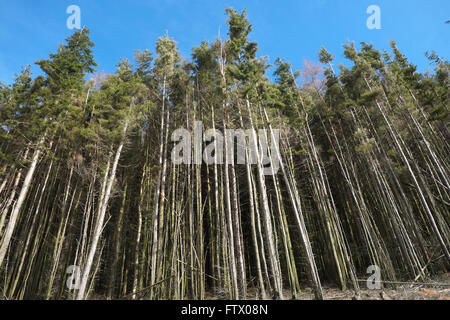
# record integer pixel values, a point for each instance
(436, 289)
(402, 292)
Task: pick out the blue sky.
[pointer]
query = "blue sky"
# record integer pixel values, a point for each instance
(291, 29)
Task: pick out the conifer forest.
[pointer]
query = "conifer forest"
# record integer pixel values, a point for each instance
(92, 205)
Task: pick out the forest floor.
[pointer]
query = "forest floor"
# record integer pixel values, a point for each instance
(437, 288)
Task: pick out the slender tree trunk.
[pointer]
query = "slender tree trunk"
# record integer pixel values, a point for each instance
(99, 224)
(20, 201)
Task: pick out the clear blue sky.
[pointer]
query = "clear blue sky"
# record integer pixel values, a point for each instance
(291, 29)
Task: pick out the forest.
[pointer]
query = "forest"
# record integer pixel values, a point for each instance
(93, 207)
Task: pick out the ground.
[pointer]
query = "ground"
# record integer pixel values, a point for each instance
(437, 288)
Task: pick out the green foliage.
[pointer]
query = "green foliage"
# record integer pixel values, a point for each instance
(325, 56)
(238, 47)
(67, 68)
(167, 58)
